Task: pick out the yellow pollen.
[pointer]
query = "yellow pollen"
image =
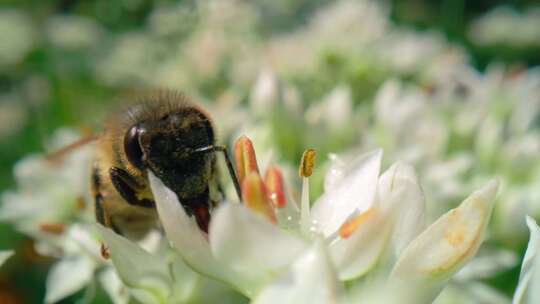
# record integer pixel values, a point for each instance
(307, 163)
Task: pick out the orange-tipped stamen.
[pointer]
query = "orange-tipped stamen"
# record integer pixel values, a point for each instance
(256, 197)
(307, 163)
(244, 158)
(274, 182)
(350, 226)
(53, 228)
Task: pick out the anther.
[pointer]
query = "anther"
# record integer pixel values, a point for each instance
(256, 197)
(350, 226)
(274, 182)
(307, 163)
(245, 158)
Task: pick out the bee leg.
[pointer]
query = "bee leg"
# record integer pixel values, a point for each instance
(100, 212)
(98, 197)
(102, 216)
(127, 186)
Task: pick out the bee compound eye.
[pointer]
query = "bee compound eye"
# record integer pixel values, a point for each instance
(132, 147)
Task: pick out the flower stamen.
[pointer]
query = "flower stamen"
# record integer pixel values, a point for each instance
(350, 226)
(245, 158)
(305, 171)
(307, 163)
(256, 196)
(274, 183)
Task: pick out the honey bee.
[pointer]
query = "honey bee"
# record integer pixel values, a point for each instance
(171, 136)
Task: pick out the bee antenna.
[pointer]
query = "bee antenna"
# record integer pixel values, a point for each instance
(223, 149)
(58, 154)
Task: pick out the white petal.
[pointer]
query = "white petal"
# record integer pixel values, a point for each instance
(68, 276)
(399, 199)
(445, 246)
(113, 286)
(248, 242)
(357, 254)
(400, 194)
(131, 261)
(185, 280)
(4, 255)
(312, 280)
(189, 241)
(264, 93)
(335, 173)
(183, 231)
(82, 236)
(338, 107)
(212, 291)
(355, 193)
(528, 289)
(471, 292)
(153, 290)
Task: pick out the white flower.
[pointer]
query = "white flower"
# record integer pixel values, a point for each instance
(463, 130)
(246, 268)
(504, 26)
(363, 221)
(161, 276)
(335, 110)
(312, 279)
(430, 260)
(68, 276)
(148, 276)
(527, 291)
(130, 60)
(47, 192)
(264, 93)
(73, 32)
(18, 35)
(50, 206)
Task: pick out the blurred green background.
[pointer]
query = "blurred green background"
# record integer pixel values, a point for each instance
(44, 86)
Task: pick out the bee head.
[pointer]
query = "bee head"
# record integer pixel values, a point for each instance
(168, 146)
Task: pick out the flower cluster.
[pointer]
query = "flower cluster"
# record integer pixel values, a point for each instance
(505, 27)
(272, 249)
(52, 206)
(343, 79)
